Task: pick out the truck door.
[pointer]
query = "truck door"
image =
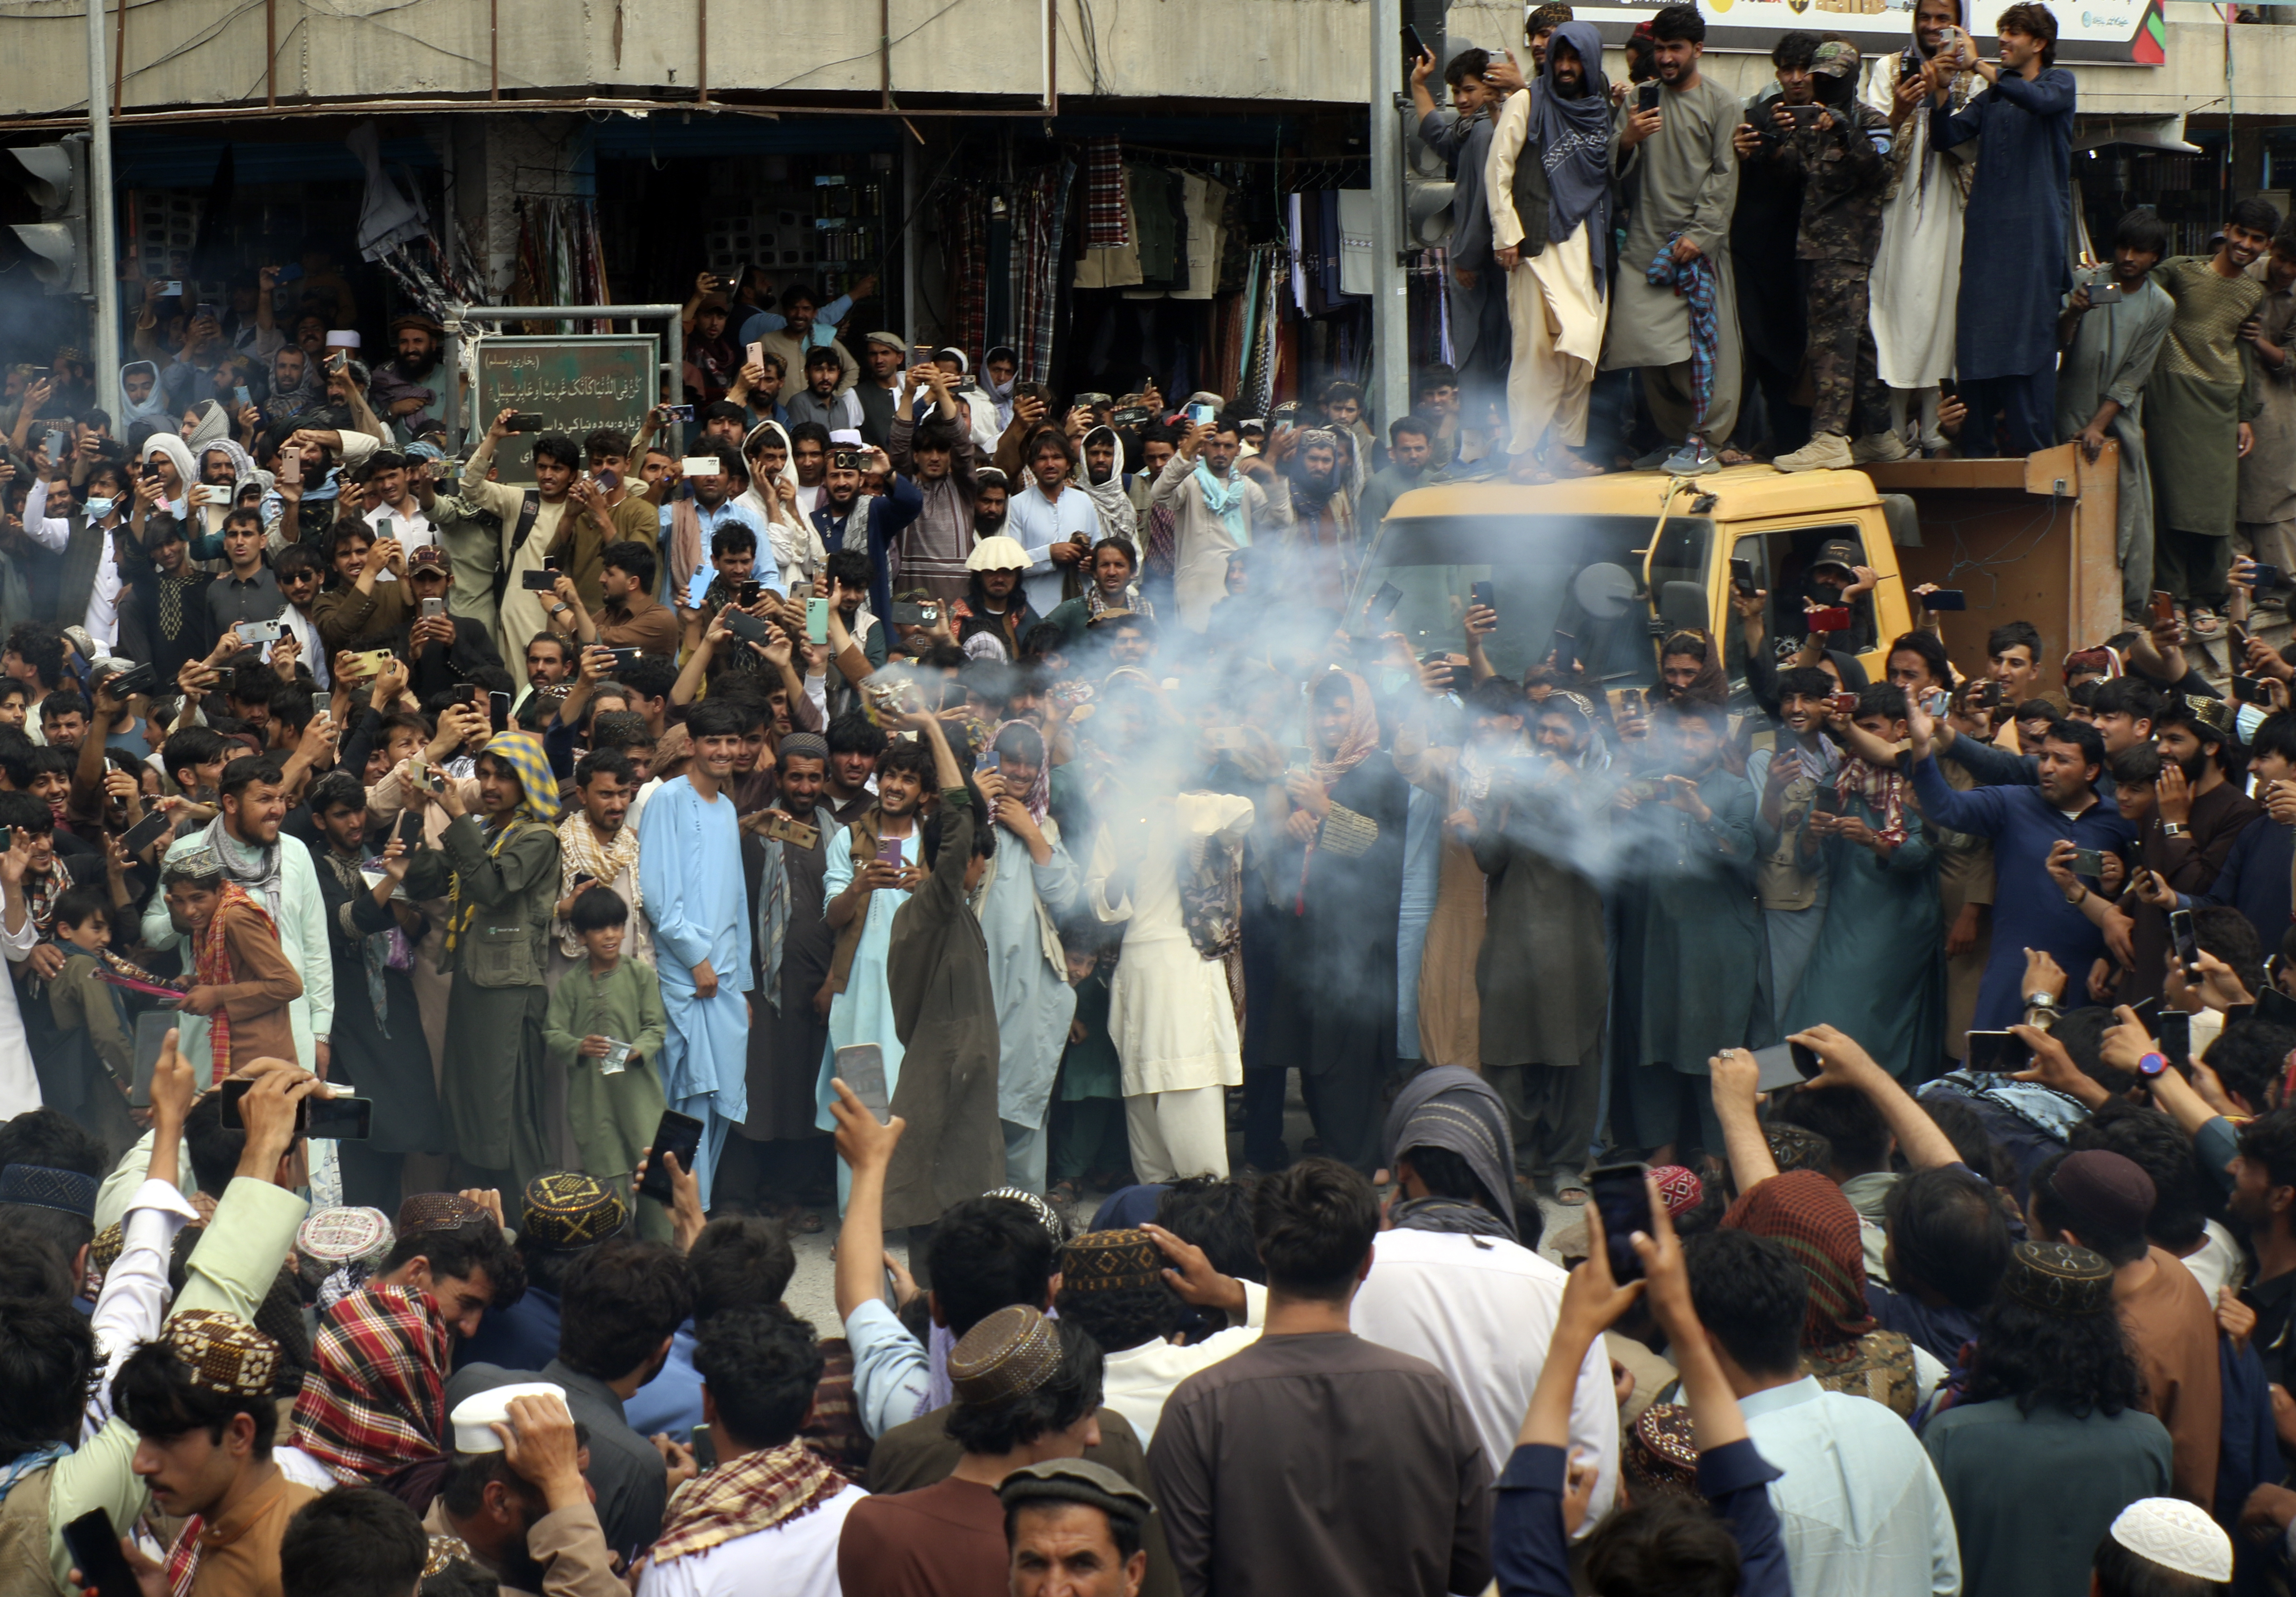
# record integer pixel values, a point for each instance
(1783, 559)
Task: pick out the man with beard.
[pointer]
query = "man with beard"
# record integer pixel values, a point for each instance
(2030, 911)
(518, 1498)
(936, 453)
(879, 391)
(2198, 407)
(1917, 273)
(1690, 941)
(780, 1156)
(1114, 587)
(2013, 274)
(2199, 811)
(1550, 189)
(882, 516)
(1102, 477)
(1790, 882)
(1842, 149)
(691, 883)
(1409, 451)
(1323, 515)
(1217, 509)
(821, 399)
(1681, 157)
(383, 1055)
(400, 391)
(2110, 349)
(497, 863)
(283, 880)
(992, 497)
(1533, 833)
(490, 565)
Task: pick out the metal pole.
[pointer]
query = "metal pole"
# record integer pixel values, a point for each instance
(104, 250)
(1390, 319)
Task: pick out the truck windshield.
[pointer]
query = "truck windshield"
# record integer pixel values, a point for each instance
(1581, 576)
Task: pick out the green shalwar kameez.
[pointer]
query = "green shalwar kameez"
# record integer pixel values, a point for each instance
(504, 884)
(613, 1116)
(2202, 388)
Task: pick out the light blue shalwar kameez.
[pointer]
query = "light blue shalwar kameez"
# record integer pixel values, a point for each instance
(696, 899)
(1034, 1001)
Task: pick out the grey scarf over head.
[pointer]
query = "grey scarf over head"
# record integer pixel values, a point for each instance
(255, 868)
(1573, 136)
(1454, 1107)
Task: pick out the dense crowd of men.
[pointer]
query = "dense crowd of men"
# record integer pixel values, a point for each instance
(1823, 1130)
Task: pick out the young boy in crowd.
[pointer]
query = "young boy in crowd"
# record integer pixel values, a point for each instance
(603, 1006)
(82, 1006)
(243, 983)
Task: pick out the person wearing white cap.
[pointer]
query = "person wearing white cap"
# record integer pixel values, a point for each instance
(516, 1497)
(987, 427)
(2162, 1547)
(994, 603)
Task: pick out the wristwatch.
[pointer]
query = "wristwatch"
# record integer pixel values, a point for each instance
(2042, 1000)
(2151, 1065)
(2174, 829)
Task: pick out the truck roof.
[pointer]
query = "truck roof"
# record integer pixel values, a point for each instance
(1739, 492)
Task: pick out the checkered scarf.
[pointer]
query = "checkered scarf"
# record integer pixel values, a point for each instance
(755, 1492)
(1694, 282)
(376, 1397)
(1808, 1213)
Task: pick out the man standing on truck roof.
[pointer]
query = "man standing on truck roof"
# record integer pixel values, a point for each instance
(2110, 349)
(2198, 407)
(2265, 525)
(1842, 148)
(2013, 260)
(1675, 318)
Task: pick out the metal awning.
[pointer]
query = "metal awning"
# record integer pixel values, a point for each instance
(2162, 133)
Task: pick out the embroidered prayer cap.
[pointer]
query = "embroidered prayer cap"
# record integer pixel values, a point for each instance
(1009, 1355)
(997, 554)
(445, 1551)
(192, 864)
(567, 1210)
(804, 745)
(224, 1354)
(1077, 1480)
(2104, 1190)
(105, 1252)
(2176, 1535)
(429, 1212)
(2215, 713)
(2057, 1278)
(342, 338)
(1679, 1188)
(1835, 58)
(1797, 1147)
(1660, 1454)
(1105, 1261)
(475, 1417)
(1046, 1215)
(334, 1237)
(37, 1186)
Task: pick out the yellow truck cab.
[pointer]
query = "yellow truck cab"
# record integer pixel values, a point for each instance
(1615, 562)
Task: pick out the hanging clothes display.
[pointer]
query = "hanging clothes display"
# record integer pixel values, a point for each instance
(1039, 211)
(560, 259)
